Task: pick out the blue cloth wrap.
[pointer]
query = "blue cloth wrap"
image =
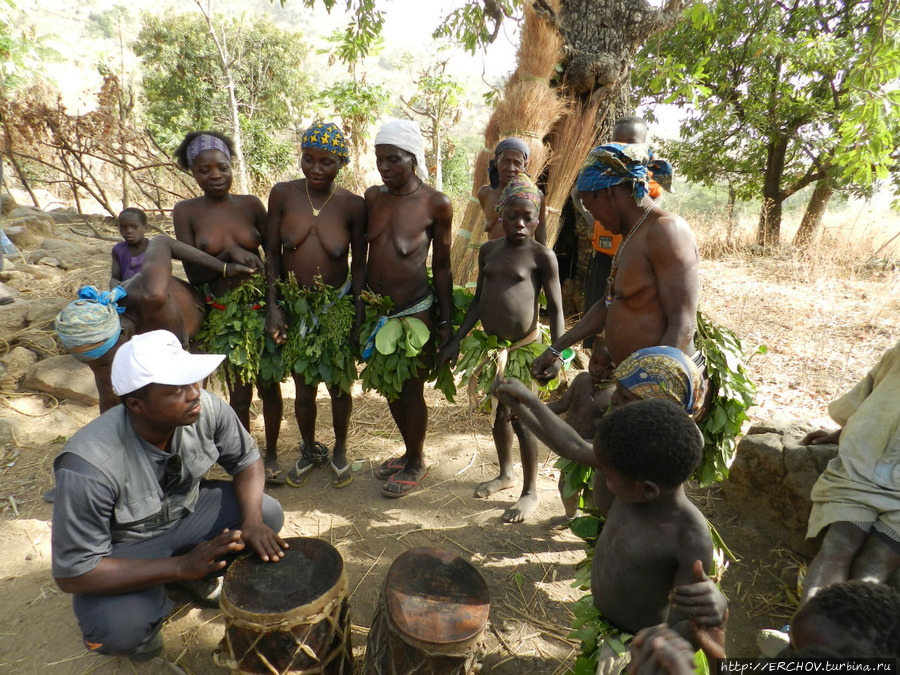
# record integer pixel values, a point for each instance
(615, 163)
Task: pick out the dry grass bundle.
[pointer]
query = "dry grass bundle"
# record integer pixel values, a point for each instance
(572, 138)
(540, 45)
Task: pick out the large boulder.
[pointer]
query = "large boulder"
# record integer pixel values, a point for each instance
(16, 365)
(12, 317)
(64, 378)
(27, 227)
(9, 432)
(44, 311)
(7, 203)
(771, 479)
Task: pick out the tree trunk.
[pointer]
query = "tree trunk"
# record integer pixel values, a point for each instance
(436, 149)
(818, 204)
(729, 209)
(769, 229)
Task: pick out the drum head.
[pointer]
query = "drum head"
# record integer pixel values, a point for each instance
(435, 596)
(309, 568)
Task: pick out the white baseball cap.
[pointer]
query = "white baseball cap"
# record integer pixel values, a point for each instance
(158, 358)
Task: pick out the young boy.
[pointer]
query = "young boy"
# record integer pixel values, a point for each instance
(128, 255)
(584, 403)
(511, 273)
(654, 540)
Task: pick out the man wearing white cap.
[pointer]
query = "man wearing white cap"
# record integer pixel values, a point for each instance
(132, 512)
(406, 219)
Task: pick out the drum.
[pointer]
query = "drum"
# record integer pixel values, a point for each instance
(287, 617)
(430, 618)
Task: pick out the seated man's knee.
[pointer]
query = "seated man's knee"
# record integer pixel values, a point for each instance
(843, 539)
(272, 513)
(117, 625)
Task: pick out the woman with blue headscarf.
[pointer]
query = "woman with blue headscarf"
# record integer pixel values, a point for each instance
(654, 287)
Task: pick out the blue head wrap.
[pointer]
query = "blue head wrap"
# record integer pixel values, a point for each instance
(326, 136)
(615, 163)
(89, 327)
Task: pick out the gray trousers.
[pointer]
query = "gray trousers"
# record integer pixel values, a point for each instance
(119, 625)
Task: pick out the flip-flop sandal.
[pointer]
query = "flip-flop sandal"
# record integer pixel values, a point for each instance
(318, 455)
(274, 477)
(342, 477)
(389, 468)
(301, 472)
(408, 486)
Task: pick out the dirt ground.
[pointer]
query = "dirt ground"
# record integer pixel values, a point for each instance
(824, 327)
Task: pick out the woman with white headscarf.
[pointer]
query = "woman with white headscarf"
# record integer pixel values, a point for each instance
(406, 218)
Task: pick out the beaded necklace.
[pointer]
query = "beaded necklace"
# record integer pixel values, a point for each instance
(610, 282)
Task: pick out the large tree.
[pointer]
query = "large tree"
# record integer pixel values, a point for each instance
(779, 96)
(185, 83)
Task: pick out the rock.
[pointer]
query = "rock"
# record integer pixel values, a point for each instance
(22, 236)
(771, 479)
(12, 317)
(9, 432)
(45, 310)
(7, 203)
(16, 365)
(8, 291)
(69, 215)
(56, 245)
(38, 341)
(64, 378)
(50, 262)
(42, 272)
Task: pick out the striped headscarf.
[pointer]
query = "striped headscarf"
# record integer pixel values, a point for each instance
(615, 163)
(520, 187)
(89, 327)
(205, 142)
(326, 136)
(663, 372)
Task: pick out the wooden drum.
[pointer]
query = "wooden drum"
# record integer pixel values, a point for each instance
(287, 617)
(430, 618)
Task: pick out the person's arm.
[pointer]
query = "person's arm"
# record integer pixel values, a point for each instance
(124, 575)
(546, 366)
(658, 650)
(540, 234)
(358, 222)
(442, 226)
(706, 610)
(563, 403)
(276, 325)
(115, 274)
(184, 233)
(549, 268)
(260, 219)
(550, 429)
(248, 488)
(822, 437)
(450, 351)
(672, 253)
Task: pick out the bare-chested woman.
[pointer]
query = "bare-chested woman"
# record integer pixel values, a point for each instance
(231, 228)
(313, 225)
(510, 159)
(406, 218)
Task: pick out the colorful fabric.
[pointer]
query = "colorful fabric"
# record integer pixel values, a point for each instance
(326, 136)
(605, 241)
(129, 265)
(615, 163)
(237, 329)
(89, 327)
(520, 187)
(666, 373)
(320, 320)
(205, 142)
(395, 345)
(405, 135)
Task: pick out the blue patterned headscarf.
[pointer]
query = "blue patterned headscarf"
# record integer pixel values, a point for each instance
(326, 136)
(663, 372)
(89, 327)
(615, 163)
(205, 142)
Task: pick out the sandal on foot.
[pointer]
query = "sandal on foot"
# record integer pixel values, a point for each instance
(341, 477)
(318, 454)
(389, 468)
(407, 486)
(301, 472)
(274, 477)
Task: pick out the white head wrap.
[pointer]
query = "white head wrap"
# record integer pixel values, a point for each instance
(405, 135)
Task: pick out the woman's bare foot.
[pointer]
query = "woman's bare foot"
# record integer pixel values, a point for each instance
(488, 488)
(403, 481)
(522, 508)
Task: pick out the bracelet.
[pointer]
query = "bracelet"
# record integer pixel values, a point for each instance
(444, 322)
(555, 352)
(224, 269)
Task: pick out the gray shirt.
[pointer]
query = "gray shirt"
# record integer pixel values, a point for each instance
(86, 498)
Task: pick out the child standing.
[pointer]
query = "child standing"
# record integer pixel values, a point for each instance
(128, 255)
(511, 273)
(584, 404)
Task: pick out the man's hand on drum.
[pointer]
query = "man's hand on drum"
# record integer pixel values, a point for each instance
(262, 539)
(205, 557)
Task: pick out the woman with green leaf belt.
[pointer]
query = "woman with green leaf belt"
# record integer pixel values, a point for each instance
(313, 226)
(232, 228)
(406, 219)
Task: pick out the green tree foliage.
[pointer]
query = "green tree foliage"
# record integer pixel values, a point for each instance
(780, 96)
(183, 84)
(476, 24)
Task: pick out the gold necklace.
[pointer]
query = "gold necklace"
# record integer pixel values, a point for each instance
(317, 211)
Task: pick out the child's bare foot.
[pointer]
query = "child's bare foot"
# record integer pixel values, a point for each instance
(522, 509)
(488, 488)
(560, 522)
(274, 474)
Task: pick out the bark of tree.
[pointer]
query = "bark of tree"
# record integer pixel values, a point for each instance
(815, 209)
(769, 229)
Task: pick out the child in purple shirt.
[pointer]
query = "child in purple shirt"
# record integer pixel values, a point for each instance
(128, 255)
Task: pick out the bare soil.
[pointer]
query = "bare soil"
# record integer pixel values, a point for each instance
(823, 330)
